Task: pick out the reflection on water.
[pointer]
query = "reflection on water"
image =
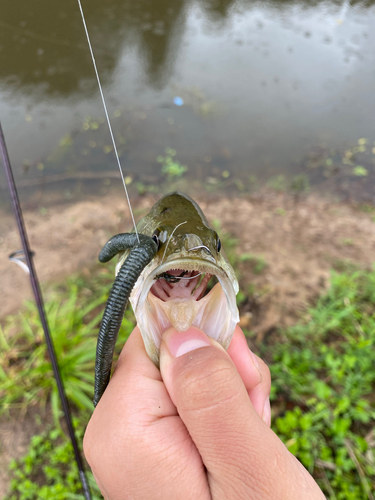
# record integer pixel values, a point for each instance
(47, 53)
(264, 85)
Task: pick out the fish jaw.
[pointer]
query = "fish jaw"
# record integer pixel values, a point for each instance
(216, 313)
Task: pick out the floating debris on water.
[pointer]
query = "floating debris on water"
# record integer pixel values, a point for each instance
(360, 171)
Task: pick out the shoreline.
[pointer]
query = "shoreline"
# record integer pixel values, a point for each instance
(290, 245)
(299, 240)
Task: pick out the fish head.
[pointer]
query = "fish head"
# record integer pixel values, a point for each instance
(174, 290)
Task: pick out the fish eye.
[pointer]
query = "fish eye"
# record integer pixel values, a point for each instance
(155, 237)
(218, 247)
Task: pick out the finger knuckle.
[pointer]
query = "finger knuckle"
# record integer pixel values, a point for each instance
(208, 382)
(266, 373)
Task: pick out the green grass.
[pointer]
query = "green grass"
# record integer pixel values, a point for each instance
(323, 372)
(74, 313)
(297, 184)
(48, 470)
(278, 183)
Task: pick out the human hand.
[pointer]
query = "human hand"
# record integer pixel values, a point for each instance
(196, 429)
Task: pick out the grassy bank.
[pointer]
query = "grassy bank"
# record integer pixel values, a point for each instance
(323, 372)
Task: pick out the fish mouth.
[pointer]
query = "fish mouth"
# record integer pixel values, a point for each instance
(175, 294)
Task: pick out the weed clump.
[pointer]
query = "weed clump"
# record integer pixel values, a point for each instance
(74, 314)
(48, 470)
(323, 375)
(323, 372)
(172, 168)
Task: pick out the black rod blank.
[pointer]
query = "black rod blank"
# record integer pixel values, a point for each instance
(39, 302)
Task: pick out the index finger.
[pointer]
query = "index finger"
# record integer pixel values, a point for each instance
(254, 372)
(136, 384)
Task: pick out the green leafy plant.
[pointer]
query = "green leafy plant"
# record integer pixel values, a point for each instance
(279, 183)
(280, 211)
(171, 167)
(323, 374)
(26, 376)
(300, 184)
(365, 207)
(360, 171)
(48, 470)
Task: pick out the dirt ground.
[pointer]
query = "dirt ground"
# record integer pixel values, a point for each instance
(299, 239)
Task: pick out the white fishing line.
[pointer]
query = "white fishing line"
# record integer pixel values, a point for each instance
(191, 277)
(106, 114)
(169, 239)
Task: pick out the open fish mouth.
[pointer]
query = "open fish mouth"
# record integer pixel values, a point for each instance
(165, 268)
(177, 294)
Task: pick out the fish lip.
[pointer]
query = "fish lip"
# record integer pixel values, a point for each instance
(189, 264)
(140, 293)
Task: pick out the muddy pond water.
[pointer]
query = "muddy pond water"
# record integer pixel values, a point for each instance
(228, 93)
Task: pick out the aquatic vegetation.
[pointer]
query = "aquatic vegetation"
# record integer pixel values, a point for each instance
(355, 160)
(360, 171)
(300, 184)
(146, 188)
(172, 168)
(91, 123)
(296, 185)
(278, 182)
(64, 147)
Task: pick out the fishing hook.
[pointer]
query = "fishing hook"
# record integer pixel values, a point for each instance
(18, 258)
(170, 278)
(200, 246)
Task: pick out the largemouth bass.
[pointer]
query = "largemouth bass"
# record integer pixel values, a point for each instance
(167, 277)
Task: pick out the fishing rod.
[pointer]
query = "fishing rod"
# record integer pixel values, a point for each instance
(28, 255)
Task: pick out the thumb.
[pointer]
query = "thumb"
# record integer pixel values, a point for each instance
(241, 454)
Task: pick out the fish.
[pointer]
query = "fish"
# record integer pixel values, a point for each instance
(168, 277)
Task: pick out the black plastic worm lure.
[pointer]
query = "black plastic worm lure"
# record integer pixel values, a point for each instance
(140, 255)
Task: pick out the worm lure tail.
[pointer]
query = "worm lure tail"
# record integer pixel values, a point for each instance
(139, 257)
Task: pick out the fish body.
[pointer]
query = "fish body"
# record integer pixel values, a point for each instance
(171, 290)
